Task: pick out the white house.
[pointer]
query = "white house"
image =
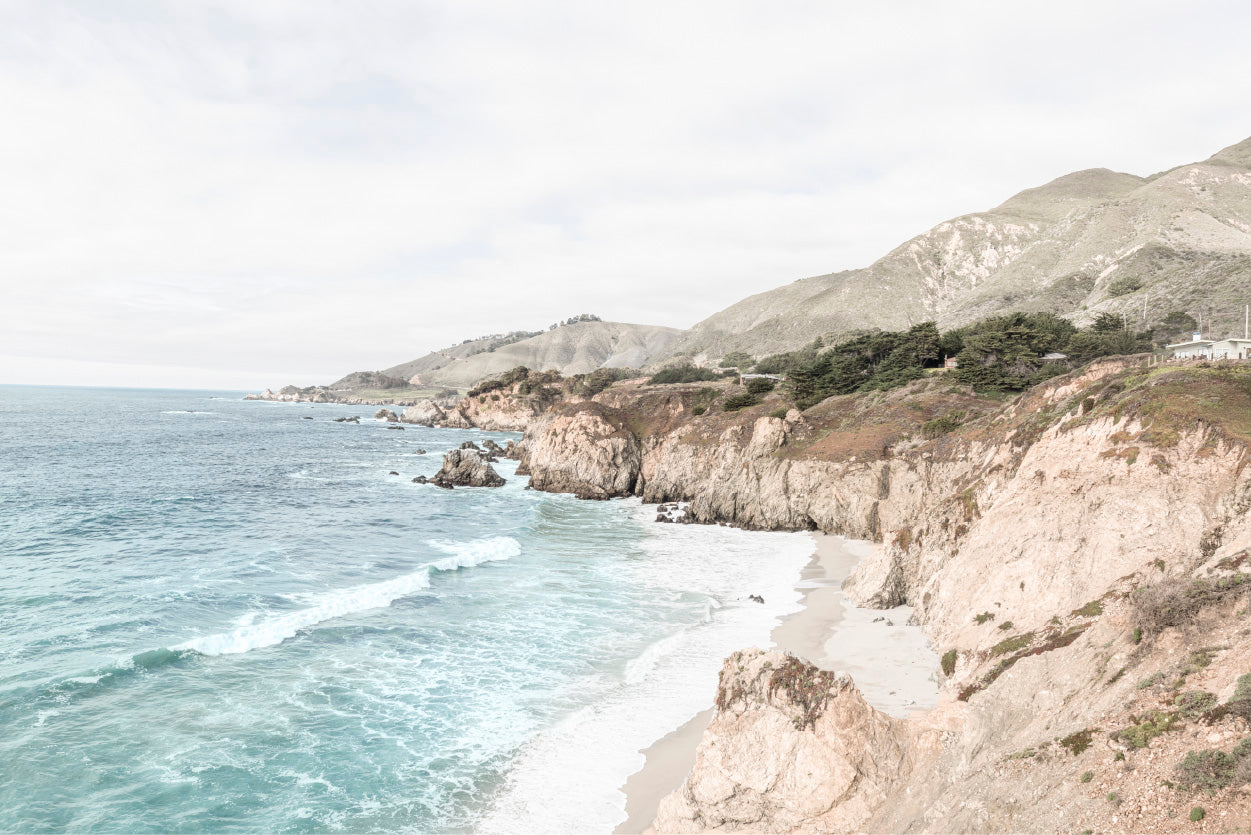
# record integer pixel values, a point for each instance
(1231, 349)
(1196, 348)
(1211, 349)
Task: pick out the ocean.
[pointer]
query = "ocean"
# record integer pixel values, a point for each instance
(217, 615)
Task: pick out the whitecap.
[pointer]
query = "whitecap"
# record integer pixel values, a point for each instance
(341, 602)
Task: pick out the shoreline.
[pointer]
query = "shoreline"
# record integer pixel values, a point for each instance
(889, 660)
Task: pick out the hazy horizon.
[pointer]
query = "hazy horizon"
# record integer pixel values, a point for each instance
(238, 195)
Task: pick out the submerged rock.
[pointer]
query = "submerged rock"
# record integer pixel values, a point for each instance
(421, 479)
(419, 452)
(347, 420)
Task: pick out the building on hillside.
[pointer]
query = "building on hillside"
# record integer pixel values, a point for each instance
(1210, 349)
(950, 362)
(1196, 348)
(1054, 356)
(1231, 349)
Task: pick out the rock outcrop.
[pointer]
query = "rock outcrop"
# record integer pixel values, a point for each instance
(423, 413)
(584, 451)
(387, 415)
(466, 468)
(790, 746)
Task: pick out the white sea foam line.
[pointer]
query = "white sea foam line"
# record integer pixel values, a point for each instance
(568, 779)
(348, 601)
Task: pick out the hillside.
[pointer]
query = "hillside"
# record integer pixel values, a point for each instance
(577, 348)
(1089, 242)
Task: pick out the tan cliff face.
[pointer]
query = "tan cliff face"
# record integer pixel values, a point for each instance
(1020, 539)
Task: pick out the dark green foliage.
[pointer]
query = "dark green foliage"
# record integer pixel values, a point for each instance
(698, 410)
(949, 662)
(940, 426)
(736, 359)
(1208, 770)
(761, 385)
(1087, 776)
(1137, 636)
(1124, 286)
(1003, 352)
(806, 686)
(684, 374)
(1197, 813)
(983, 617)
(779, 413)
(1242, 691)
(740, 401)
(589, 385)
(1077, 743)
(508, 378)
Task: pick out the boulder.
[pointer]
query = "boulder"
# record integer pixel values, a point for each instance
(423, 413)
(387, 415)
(492, 447)
(466, 468)
(470, 445)
(347, 420)
(421, 479)
(419, 452)
(512, 451)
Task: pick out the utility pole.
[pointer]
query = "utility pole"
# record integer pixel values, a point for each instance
(1246, 323)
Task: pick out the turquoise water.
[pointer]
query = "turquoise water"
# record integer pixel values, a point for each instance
(217, 616)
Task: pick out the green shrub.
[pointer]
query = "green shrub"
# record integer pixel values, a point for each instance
(1140, 734)
(940, 426)
(1006, 625)
(1077, 743)
(1012, 644)
(683, 374)
(1114, 798)
(949, 662)
(761, 385)
(1124, 286)
(1087, 776)
(1208, 770)
(735, 402)
(1242, 692)
(736, 359)
(698, 410)
(779, 413)
(1197, 813)
(1192, 703)
(983, 617)
(1137, 636)
(1092, 609)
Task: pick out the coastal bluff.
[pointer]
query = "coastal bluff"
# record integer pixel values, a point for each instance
(1031, 537)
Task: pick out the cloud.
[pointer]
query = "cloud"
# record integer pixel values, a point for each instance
(305, 189)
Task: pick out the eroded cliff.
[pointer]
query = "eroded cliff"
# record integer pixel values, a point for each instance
(1030, 539)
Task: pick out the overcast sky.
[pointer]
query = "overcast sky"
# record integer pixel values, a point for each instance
(258, 193)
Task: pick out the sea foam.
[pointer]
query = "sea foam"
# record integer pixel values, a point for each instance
(341, 602)
(554, 786)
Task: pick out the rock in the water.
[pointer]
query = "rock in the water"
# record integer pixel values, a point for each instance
(423, 412)
(347, 420)
(755, 598)
(512, 451)
(466, 468)
(419, 452)
(421, 479)
(306, 417)
(393, 472)
(492, 447)
(660, 517)
(387, 415)
(401, 428)
(470, 445)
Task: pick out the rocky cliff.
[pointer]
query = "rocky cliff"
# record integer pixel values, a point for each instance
(1032, 540)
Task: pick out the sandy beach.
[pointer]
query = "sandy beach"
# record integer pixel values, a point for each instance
(890, 661)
